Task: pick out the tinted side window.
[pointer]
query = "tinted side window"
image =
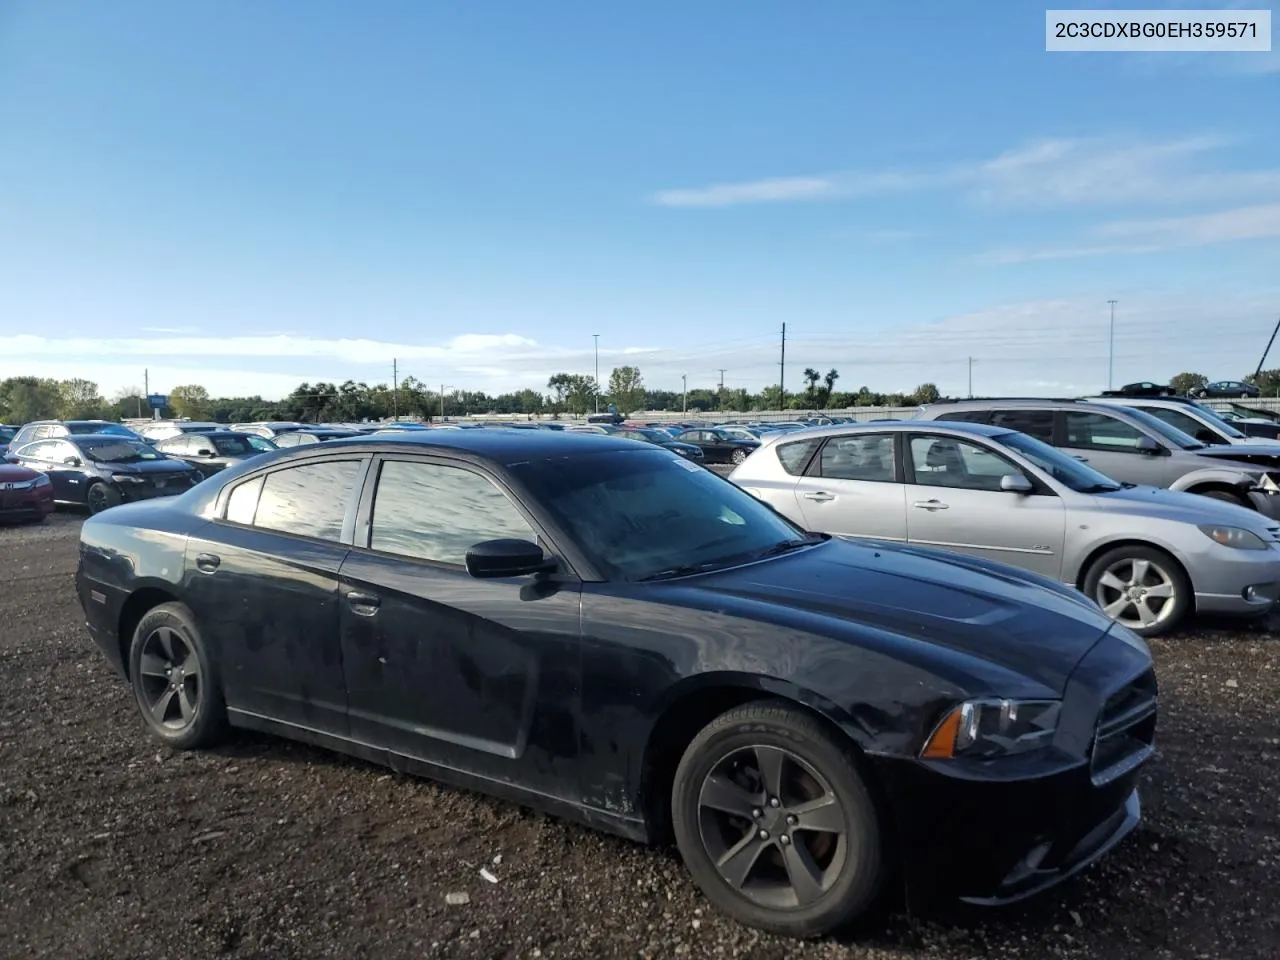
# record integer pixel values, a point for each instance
(971, 416)
(1176, 418)
(310, 500)
(794, 455)
(948, 462)
(1036, 423)
(244, 501)
(435, 512)
(1101, 432)
(859, 457)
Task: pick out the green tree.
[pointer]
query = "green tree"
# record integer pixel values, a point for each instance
(580, 394)
(191, 401)
(829, 382)
(811, 378)
(626, 389)
(1268, 381)
(23, 399)
(925, 393)
(1184, 383)
(80, 400)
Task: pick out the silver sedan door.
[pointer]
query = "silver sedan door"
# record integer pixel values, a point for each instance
(852, 489)
(955, 502)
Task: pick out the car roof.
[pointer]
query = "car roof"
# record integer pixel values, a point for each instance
(1024, 403)
(499, 444)
(113, 437)
(891, 426)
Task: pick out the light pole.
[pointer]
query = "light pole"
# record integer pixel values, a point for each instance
(442, 389)
(597, 339)
(684, 391)
(1111, 350)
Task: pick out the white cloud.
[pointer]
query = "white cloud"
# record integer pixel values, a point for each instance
(1257, 222)
(1041, 174)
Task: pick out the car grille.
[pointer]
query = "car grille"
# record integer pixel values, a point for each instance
(1126, 731)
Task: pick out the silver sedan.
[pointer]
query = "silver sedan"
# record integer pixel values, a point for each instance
(1148, 556)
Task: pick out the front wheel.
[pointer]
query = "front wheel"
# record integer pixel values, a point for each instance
(1140, 588)
(101, 496)
(1226, 496)
(738, 457)
(775, 822)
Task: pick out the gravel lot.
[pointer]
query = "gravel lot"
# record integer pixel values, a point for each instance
(113, 847)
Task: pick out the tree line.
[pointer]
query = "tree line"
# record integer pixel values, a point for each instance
(23, 399)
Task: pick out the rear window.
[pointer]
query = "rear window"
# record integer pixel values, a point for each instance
(794, 456)
(1035, 423)
(969, 416)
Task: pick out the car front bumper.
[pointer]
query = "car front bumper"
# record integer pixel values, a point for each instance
(29, 503)
(1237, 582)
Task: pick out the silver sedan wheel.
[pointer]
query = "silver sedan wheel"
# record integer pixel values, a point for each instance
(1137, 593)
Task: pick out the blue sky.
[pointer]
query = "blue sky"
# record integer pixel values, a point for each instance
(249, 194)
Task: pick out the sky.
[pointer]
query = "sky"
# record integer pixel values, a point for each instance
(247, 194)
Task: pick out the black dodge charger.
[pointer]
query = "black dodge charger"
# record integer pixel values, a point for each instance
(600, 629)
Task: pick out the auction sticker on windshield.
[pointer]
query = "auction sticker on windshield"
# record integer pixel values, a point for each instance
(1158, 31)
(691, 467)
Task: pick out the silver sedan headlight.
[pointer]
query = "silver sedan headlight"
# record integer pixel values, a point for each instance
(1237, 537)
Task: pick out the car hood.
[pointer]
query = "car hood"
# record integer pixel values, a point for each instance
(1019, 620)
(147, 467)
(1159, 503)
(13, 473)
(1259, 456)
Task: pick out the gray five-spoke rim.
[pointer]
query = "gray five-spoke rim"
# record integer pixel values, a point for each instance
(773, 827)
(1136, 592)
(169, 672)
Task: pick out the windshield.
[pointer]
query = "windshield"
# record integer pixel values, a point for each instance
(1170, 433)
(643, 515)
(261, 444)
(240, 446)
(6, 436)
(117, 451)
(1213, 417)
(111, 429)
(1067, 470)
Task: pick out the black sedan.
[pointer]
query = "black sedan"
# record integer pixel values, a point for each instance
(606, 632)
(663, 439)
(720, 446)
(213, 452)
(1227, 389)
(102, 470)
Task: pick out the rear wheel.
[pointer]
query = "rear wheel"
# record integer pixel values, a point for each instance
(775, 822)
(174, 680)
(738, 456)
(1140, 588)
(101, 496)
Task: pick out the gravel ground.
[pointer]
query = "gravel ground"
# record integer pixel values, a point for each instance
(113, 847)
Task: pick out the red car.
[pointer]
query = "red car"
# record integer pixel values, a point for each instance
(25, 494)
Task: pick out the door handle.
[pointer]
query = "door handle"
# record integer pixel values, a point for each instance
(1081, 459)
(821, 496)
(930, 505)
(207, 562)
(364, 604)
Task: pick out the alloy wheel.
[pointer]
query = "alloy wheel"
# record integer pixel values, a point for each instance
(739, 456)
(773, 827)
(1136, 593)
(96, 498)
(170, 678)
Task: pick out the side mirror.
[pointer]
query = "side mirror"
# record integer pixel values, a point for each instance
(1015, 483)
(11, 458)
(507, 558)
(202, 452)
(73, 461)
(1149, 446)
(1207, 436)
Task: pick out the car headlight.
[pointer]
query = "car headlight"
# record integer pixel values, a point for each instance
(40, 481)
(126, 478)
(1268, 483)
(1236, 537)
(984, 729)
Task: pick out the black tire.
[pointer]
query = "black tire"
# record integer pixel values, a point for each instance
(851, 865)
(100, 495)
(196, 688)
(1171, 611)
(1226, 496)
(737, 457)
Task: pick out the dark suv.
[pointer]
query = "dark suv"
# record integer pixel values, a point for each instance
(52, 429)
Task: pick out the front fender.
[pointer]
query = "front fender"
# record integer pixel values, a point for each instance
(1240, 479)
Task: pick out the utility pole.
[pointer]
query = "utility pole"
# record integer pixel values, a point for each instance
(721, 396)
(146, 391)
(1258, 372)
(1111, 351)
(684, 390)
(442, 403)
(782, 372)
(597, 339)
(971, 378)
(395, 391)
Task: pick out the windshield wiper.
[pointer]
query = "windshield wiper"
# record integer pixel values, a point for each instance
(1104, 487)
(681, 571)
(786, 546)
